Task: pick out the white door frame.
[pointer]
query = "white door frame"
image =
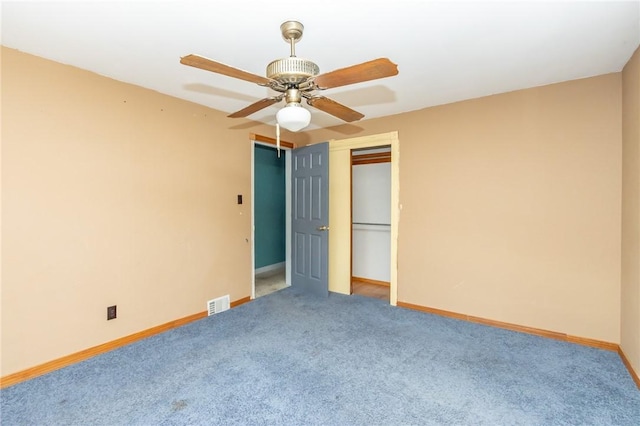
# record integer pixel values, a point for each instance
(340, 209)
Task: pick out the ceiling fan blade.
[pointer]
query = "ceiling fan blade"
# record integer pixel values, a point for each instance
(255, 107)
(372, 70)
(203, 63)
(334, 108)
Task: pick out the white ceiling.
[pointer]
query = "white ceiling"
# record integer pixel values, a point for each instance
(445, 51)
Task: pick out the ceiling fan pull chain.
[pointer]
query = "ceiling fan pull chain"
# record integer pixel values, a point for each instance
(278, 138)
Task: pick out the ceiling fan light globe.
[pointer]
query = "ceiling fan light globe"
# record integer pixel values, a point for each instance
(293, 117)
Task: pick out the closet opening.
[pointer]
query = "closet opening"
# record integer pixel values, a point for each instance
(371, 222)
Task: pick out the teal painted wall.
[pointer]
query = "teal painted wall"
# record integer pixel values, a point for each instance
(269, 199)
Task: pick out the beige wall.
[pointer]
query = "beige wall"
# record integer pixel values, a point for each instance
(112, 194)
(630, 301)
(511, 206)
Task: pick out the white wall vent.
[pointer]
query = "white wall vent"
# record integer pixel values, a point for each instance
(221, 304)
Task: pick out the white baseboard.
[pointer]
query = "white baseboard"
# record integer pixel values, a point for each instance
(270, 268)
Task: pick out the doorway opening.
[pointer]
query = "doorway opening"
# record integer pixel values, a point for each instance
(271, 207)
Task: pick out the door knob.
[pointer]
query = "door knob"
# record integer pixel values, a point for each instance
(323, 228)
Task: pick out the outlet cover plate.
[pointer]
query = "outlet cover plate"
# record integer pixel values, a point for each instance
(111, 312)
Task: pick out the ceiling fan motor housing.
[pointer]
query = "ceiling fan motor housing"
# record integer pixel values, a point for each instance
(292, 70)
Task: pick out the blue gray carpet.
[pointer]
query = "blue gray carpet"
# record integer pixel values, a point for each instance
(287, 358)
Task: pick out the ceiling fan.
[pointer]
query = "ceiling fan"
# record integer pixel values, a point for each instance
(297, 78)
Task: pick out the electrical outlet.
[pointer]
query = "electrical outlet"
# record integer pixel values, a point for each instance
(111, 312)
